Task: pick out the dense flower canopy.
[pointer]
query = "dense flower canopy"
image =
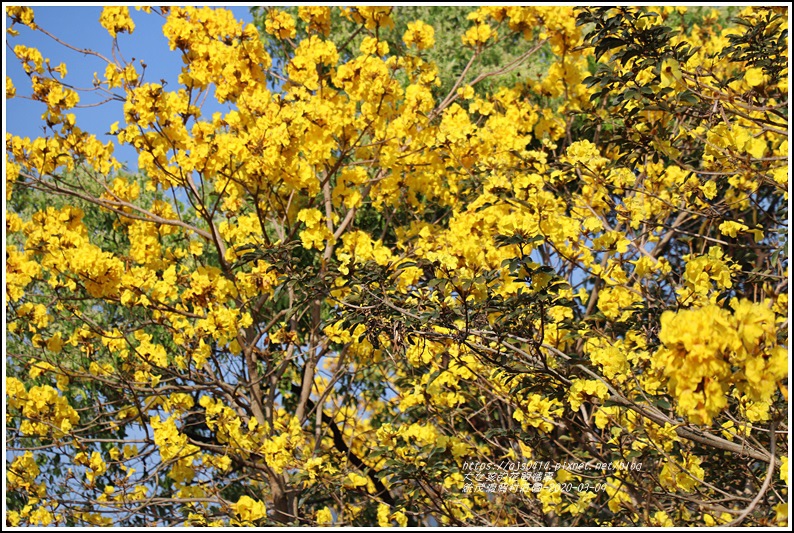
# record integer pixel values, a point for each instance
(342, 298)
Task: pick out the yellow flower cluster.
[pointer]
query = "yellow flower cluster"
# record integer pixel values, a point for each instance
(539, 412)
(57, 97)
(478, 35)
(21, 269)
(21, 14)
(28, 55)
(684, 476)
(116, 19)
(249, 509)
(708, 352)
(371, 16)
(220, 51)
(318, 18)
(703, 273)
(316, 232)
(615, 302)
(280, 24)
(44, 412)
(22, 474)
(419, 34)
(612, 357)
(582, 390)
(408, 441)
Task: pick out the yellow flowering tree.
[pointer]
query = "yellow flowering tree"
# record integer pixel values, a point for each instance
(353, 299)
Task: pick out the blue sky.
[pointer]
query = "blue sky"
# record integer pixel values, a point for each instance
(79, 27)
